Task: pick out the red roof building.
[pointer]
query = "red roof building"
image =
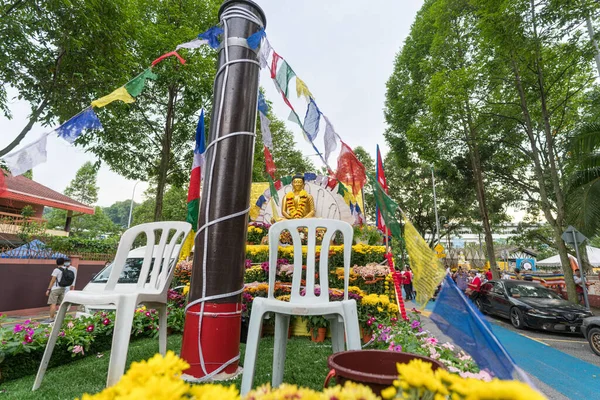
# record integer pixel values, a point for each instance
(20, 191)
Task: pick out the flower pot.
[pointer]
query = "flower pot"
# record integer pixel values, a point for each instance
(373, 368)
(320, 336)
(365, 335)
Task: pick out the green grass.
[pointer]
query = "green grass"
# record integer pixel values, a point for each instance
(306, 365)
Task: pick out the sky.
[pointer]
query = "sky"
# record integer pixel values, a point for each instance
(343, 50)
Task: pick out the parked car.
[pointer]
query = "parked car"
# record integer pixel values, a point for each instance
(591, 331)
(127, 281)
(530, 305)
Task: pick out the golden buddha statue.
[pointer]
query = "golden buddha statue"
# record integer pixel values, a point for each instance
(298, 203)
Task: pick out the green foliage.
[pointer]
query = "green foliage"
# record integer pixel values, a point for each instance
(74, 244)
(175, 206)
(29, 228)
(368, 234)
(83, 187)
(314, 322)
(119, 212)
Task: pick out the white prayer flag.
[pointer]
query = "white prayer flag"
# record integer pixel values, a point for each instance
(28, 157)
(265, 52)
(266, 131)
(311, 120)
(330, 138)
(194, 44)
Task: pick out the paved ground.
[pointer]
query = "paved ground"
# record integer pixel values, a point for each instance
(560, 366)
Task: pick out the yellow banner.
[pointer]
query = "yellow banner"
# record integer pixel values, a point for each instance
(428, 272)
(302, 89)
(119, 94)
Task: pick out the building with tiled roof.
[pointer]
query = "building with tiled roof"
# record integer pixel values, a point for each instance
(20, 191)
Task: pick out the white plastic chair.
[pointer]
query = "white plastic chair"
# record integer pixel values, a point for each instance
(342, 315)
(151, 289)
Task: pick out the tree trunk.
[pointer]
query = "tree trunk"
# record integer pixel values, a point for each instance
(165, 155)
(585, 260)
(539, 173)
(480, 189)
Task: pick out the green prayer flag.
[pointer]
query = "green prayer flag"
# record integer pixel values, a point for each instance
(286, 180)
(274, 194)
(284, 75)
(341, 189)
(135, 86)
(193, 207)
(387, 207)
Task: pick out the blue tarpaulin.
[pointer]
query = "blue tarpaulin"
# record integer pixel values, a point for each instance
(35, 249)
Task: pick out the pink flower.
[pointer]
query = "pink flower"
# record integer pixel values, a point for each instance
(369, 322)
(448, 346)
(29, 331)
(106, 321)
(395, 347)
(147, 313)
(70, 325)
(90, 328)
(62, 333)
(415, 324)
(380, 326)
(27, 322)
(28, 339)
(18, 328)
(78, 349)
(431, 340)
(481, 375)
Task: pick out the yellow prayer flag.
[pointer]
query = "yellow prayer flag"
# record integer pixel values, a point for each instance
(186, 248)
(302, 89)
(119, 94)
(349, 197)
(427, 270)
(254, 212)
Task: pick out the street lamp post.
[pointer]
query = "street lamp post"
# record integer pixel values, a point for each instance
(131, 206)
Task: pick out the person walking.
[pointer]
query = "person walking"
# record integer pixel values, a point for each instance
(461, 278)
(62, 277)
(474, 288)
(407, 283)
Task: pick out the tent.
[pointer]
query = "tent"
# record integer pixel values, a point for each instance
(554, 261)
(35, 249)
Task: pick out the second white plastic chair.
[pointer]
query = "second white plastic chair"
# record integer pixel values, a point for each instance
(151, 289)
(342, 315)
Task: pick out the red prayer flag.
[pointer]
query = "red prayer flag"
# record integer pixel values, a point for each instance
(331, 182)
(270, 165)
(278, 185)
(350, 170)
(166, 55)
(276, 58)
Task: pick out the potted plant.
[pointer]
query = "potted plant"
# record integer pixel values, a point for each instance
(316, 325)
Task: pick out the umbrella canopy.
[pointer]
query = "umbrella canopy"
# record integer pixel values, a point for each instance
(35, 249)
(554, 261)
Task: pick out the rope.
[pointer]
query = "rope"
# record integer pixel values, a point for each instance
(232, 12)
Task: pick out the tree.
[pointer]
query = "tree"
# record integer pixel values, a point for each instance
(286, 156)
(59, 55)
(119, 212)
(83, 187)
(175, 206)
(153, 138)
(365, 158)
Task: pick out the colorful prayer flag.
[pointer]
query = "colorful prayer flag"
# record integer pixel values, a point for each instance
(302, 89)
(293, 117)
(274, 61)
(273, 190)
(254, 39)
(380, 176)
(193, 197)
(387, 207)
(311, 120)
(350, 170)
(167, 55)
(262, 103)
(266, 130)
(193, 44)
(73, 128)
(265, 51)
(284, 76)
(427, 269)
(23, 160)
(330, 138)
(119, 94)
(212, 36)
(135, 86)
(269, 164)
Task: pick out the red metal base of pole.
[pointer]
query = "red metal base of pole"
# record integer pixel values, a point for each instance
(220, 338)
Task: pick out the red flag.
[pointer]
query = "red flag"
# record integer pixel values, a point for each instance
(270, 165)
(331, 182)
(169, 54)
(380, 175)
(350, 170)
(276, 58)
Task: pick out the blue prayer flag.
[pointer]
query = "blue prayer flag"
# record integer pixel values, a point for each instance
(311, 120)
(261, 200)
(73, 128)
(262, 104)
(457, 317)
(254, 39)
(200, 135)
(309, 176)
(212, 36)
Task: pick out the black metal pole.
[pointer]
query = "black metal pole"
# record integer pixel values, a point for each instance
(220, 246)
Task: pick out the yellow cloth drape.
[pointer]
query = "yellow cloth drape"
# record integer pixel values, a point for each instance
(186, 248)
(119, 94)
